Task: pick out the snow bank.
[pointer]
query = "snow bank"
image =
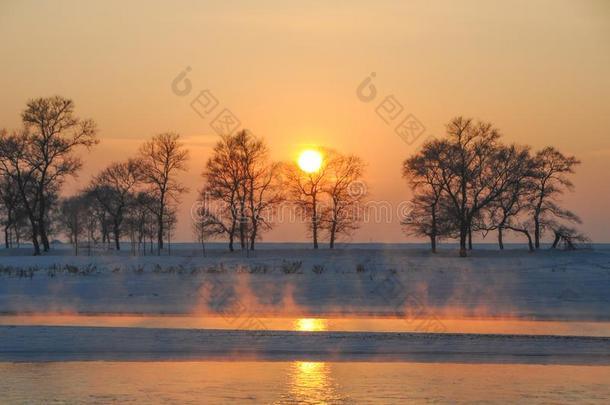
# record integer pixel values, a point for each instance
(289, 281)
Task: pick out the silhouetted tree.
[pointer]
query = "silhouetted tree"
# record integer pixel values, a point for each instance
(476, 183)
(55, 133)
(223, 178)
(241, 184)
(141, 220)
(473, 172)
(260, 186)
(42, 155)
(74, 215)
(427, 215)
(567, 236)
(503, 213)
(346, 192)
(12, 213)
(550, 180)
(204, 225)
(162, 158)
(114, 189)
(306, 191)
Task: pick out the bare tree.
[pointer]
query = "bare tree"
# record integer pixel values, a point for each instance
(142, 220)
(74, 215)
(306, 191)
(241, 185)
(55, 134)
(346, 192)
(15, 164)
(503, 213)
(550, 181)
(260, 184)
(567, 236)
(114, 189)
(162, 158)
(474, 181)
(472, 172)
(223, 177)
(14, 216)
(42, 155)
(171, 220)
(427, 215)
(95, 222)
(205, 225)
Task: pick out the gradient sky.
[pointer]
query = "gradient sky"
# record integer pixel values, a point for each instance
(539, 70)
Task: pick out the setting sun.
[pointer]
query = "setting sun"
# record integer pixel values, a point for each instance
(310, 161)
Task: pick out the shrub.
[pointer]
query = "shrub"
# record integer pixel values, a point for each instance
(291, 267)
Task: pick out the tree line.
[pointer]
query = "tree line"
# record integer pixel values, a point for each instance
(467, 182)
(243, 191)
(137, 199)
(470, 182)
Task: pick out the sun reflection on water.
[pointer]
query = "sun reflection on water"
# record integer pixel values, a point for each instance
(310, 325)
(312, 383)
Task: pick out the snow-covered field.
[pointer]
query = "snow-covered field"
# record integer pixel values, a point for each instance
(429, 293)
(287, 281)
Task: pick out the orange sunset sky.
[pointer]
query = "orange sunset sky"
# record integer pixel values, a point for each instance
(539, 70)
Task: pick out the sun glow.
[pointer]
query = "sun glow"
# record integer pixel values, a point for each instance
(310, 325)
(310, 160)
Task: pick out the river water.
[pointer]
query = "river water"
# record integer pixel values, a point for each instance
(234, 382)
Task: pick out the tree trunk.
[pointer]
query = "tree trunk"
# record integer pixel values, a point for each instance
(536, 232)
(44, 238)
(42, 229)
(6, 237)
(34, 234)
(117, 236)
(314, 224)
(556, 241)
(169, 241)
(500, 238)
(159, 234)
(232, 235)
(333, 231)
(529, 241)
(434, 230)
(35, 243)
(469, 237)
(253, 234)
(463, 236)
(242, 232)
